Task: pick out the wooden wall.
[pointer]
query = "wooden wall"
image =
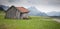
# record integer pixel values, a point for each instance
(24, 15)
(11, 13)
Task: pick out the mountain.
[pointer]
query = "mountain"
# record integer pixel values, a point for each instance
(35, 12)
(54, 13)
(42, 14)
(4, 7)
(1, 9)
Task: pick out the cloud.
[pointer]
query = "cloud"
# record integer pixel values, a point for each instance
(37, 2)
(31, 2)
(13, 1)
(44, 2)
(43, 5)
(54, 2)
(3, 1)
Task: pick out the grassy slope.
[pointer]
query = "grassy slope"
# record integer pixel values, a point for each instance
(33, 23)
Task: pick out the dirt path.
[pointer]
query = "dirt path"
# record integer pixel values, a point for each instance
(57, 20)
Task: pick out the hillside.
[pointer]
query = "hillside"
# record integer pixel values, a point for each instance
(3, 7)
(53, 13)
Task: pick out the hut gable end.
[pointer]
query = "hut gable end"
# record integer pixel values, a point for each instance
(11, 8)
(11, 12)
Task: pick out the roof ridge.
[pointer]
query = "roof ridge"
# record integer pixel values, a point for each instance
(22, 9)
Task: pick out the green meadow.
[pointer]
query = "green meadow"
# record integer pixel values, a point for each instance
(35, 22)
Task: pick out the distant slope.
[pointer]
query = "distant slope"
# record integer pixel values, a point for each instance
(42, 14)
(4, 7)
(35, 12)
(54, 13)
(1, 9)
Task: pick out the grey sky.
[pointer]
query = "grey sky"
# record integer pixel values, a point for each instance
(42, 5)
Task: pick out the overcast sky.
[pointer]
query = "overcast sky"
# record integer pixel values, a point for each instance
(41, 5)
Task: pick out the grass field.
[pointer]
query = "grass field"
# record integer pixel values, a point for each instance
(36, 22)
